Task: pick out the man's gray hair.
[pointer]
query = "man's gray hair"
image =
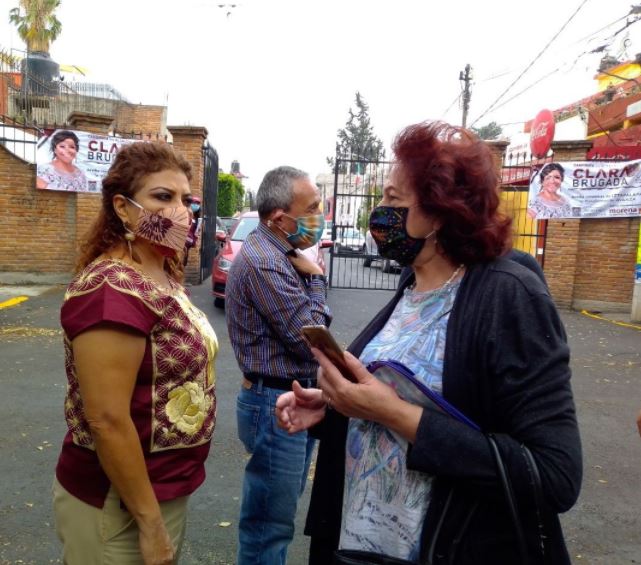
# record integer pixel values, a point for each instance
(277, 189)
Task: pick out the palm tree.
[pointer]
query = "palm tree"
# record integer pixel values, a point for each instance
(38, 27)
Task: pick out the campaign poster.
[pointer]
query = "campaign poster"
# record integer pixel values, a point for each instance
(75, 161)
(585, 189)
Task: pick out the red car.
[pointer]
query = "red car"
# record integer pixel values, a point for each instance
(246, 224)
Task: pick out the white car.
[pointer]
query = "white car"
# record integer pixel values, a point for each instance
(327, 233)
(371, 252)
(349, 240)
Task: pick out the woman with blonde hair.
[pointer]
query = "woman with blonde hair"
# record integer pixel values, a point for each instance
(140, 404)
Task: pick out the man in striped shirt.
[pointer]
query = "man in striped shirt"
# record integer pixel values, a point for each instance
(272, 292)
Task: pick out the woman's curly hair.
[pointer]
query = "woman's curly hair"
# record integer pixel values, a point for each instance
(132, 164)
(455, 177)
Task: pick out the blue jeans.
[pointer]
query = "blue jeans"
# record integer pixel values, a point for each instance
(274, 479)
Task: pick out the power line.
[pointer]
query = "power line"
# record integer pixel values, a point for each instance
(456, 99)
(603, 28)
(547, 75)
(532, 63)
(531, 85)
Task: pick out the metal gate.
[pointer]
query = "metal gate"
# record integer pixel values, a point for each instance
(358, 187)
(528, 234)
(354, 260)
(209, 245)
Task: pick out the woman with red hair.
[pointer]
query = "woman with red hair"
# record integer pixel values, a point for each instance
(445, 481)
(140, 404)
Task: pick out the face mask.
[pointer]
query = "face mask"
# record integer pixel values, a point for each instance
(195, 208)
(388, 227)
(167, 228)
(309, 231)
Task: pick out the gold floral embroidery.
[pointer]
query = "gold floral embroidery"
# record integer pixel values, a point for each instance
(183, 346)
(187, 407)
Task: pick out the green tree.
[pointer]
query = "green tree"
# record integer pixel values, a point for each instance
(357, 139)
(373, 197)
(230, 195)
(37, 24)
(488, 131)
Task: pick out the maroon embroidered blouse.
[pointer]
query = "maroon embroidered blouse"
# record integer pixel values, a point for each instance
(173, 405)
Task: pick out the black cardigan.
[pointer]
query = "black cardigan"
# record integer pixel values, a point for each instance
(505, 367)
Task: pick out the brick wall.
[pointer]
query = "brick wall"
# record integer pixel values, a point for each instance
(37, 227)
(41, 230)
(605, 266)
(140, 118)
(560, 259)
(589, 263)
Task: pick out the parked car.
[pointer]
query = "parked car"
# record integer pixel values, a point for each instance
(220, 235)
(371, 252)
(228, 223)
(327, 234)
(349, 240)
(246, 224)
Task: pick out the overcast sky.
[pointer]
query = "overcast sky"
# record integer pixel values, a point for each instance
(272, 80)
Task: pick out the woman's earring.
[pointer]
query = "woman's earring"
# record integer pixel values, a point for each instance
(129, 238)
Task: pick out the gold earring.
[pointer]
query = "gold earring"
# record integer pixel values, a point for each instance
(129, 238)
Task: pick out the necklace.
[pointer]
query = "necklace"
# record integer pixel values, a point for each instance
(441, 288)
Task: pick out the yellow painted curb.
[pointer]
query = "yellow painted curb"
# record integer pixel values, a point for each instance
(624, 324)
(13, 301)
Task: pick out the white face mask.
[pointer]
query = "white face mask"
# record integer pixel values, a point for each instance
(167, 228)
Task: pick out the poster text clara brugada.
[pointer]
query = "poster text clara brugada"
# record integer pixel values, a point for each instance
(585, 189)
(75, 161)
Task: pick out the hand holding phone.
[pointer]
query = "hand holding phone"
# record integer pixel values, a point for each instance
(320, 338)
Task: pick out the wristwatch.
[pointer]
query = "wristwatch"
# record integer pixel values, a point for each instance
(316, 277)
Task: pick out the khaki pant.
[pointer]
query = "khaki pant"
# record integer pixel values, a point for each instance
(108, 535)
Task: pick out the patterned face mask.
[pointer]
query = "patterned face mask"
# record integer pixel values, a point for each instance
(309, 231)
(167, 228)
(388, 226)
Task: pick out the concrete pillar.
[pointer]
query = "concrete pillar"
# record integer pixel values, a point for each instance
(189, 141)
(498, 152)
(94, 123)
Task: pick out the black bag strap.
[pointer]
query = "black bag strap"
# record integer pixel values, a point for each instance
(510, 499)
(538, 499)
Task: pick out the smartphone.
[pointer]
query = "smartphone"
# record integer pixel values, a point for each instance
(320, 338)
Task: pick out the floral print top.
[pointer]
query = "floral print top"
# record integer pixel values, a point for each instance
(551, 208)
(384, 503)
(173, 405)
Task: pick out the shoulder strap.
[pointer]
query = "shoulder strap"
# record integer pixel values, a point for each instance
(511, 501)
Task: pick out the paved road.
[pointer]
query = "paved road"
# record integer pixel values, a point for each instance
(602, 529)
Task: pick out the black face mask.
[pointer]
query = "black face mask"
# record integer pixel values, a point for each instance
(388, 226)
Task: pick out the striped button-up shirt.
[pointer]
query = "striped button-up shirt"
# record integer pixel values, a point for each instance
(266, 304)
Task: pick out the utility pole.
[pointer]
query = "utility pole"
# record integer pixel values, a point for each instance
(466, 77)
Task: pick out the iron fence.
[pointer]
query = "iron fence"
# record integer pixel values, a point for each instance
(29, 97)
(19, 139)
(209, 246)
(354, 261)
(528, 234)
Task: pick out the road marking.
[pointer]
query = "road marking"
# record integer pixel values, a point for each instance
(624, 324)
(28, 331)
(13, 301)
